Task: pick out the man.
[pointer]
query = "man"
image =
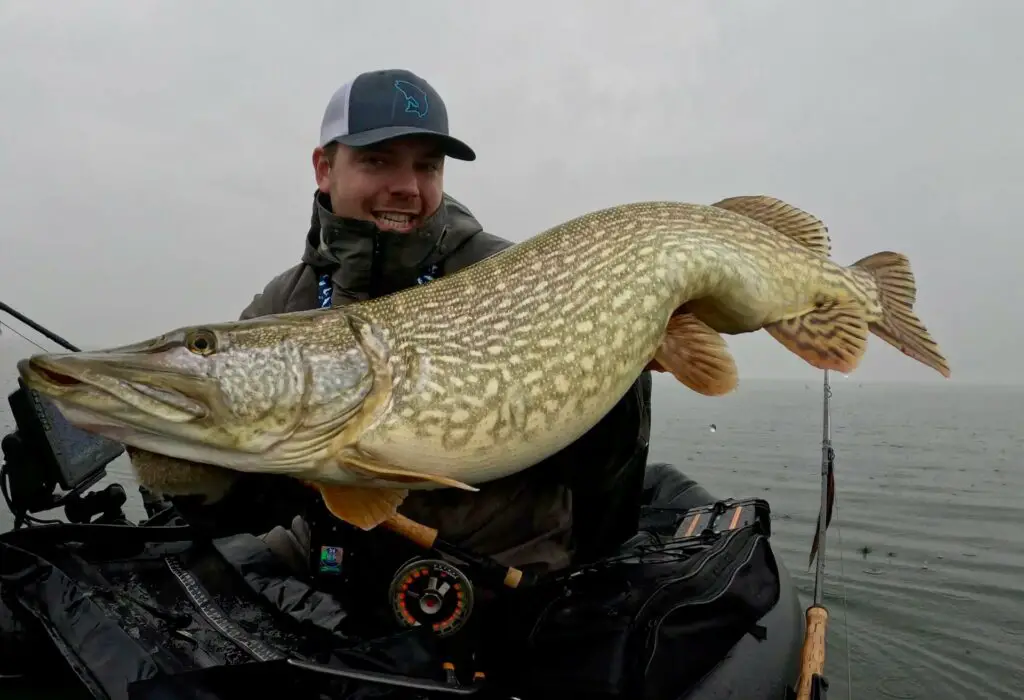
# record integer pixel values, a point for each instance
(381, 222)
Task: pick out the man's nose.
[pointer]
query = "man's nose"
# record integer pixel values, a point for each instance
(404, 182)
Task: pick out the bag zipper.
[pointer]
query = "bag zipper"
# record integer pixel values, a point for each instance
(567, 590)
(706, 554)
(656, 629)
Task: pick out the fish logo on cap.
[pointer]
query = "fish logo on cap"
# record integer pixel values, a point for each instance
(415, 98)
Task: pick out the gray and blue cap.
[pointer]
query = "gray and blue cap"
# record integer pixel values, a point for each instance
(381, 105)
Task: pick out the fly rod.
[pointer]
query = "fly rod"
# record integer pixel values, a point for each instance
(812, 684)
(14, 313)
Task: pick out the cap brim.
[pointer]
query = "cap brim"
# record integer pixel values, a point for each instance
(451, 145)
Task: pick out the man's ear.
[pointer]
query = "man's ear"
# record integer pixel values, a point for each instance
(322, 169)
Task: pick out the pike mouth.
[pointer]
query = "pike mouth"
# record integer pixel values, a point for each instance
(56, 377)
(93, 384)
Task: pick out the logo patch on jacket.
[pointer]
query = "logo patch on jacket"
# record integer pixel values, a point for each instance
(432, 273)
(324, 291)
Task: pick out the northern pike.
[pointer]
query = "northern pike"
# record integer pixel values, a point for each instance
(488, 371)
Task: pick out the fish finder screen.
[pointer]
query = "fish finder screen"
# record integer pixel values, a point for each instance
(72, 456)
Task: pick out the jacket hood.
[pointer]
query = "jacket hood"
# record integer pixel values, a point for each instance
(366, 262)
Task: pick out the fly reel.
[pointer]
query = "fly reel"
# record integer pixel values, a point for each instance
(431, 593)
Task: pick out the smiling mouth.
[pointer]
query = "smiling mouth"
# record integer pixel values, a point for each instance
(395, 221)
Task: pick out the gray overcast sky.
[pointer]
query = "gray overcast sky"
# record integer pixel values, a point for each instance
(155, 156)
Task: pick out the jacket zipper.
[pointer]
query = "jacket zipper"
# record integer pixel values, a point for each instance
(376, 265)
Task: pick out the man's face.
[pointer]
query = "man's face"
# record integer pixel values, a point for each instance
(397, 183)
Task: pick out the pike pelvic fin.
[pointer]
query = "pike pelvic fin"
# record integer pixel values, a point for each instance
(831, 336)
(696, 355)
(804, 228)
(899, 325)
(365, 508)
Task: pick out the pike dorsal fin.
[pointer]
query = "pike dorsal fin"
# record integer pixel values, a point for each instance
(798, 225)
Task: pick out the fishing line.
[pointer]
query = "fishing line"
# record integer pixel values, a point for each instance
(24, 518)
(5, 486)
(22, 336)
(846, 606)
(838, 521)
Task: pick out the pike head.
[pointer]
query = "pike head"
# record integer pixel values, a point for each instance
(271, 395)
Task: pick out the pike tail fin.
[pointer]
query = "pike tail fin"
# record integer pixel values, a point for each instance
(899, 325)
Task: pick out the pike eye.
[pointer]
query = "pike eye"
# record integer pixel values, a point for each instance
(201, 342)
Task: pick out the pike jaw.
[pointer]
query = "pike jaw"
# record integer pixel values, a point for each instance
(252, 396)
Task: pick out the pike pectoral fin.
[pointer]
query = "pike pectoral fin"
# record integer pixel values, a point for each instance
(696, 355)
(832, 336)
(367, 466)
(363, 507)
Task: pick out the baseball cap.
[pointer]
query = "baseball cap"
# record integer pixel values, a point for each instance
(383, 104)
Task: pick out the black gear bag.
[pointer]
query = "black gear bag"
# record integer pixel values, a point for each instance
(649, 621)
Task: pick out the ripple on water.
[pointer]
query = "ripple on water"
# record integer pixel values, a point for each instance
(899, 687)
(957, 595)
(937, 663)
(1013, 627)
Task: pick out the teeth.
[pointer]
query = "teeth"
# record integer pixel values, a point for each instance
(395, 218)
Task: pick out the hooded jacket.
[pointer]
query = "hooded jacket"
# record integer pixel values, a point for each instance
(574, 505)
(365, 262)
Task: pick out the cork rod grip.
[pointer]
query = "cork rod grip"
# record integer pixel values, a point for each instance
(812, 656)
(410, 529)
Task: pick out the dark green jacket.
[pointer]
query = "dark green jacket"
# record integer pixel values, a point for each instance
(582, 500)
